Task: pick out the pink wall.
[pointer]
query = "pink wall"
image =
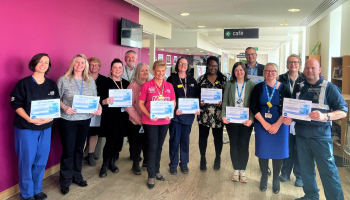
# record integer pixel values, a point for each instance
(62, 29)
(145, 56)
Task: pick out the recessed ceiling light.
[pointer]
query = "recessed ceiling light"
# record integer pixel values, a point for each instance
(187, 49)
(274, 28)
(201, 26)
(200, 51)
(283, 24)
(162, 49)
(294, 10)
(270, 42)
(181, 52)
(218, 29)
(185, 14)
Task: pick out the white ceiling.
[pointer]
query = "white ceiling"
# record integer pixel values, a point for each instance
(267, 15)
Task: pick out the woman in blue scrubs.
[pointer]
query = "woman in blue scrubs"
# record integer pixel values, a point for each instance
(33, 136)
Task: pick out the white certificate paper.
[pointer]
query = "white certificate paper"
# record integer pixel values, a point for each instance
(256, 79)
(213, 96)
(188, 105)
(85, 104)
(45, 109)
(162, 109)
(122, 97)
(237, 114)
(297, 109)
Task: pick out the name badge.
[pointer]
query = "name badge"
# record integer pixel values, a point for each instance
(217, 82)
(179, 86)
(314, 90)
(268, 115)
(141, 130)
(122, 110)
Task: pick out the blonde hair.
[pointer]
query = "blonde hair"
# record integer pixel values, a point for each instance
(158, 63)
(137, 74)
(70, 73)
(94, 59)
(295, 56)
(274, 66)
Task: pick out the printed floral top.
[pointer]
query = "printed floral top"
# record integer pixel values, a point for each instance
(210, 114)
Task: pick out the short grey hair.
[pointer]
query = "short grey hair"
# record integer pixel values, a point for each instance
(274, 66)
(130, 51)
(137, 73)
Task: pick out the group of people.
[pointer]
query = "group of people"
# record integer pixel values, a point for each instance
(291, 144)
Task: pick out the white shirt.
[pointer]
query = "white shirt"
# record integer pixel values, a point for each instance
(239, 90)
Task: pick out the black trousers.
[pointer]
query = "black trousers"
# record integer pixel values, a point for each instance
(239, 135)
(155, 135)
(203, 139)
(73, 135)
(113, 146)
(140, 142)
(130, 136)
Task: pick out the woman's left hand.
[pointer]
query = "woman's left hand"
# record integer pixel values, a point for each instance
(274, 128)
(178, 112)
(248, 123)
(197, 113)
(41, 121)
(167, 118)
(287, 121)
(98, 111)
(220, 104)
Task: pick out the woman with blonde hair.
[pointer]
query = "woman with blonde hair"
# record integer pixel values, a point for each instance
(156, 129)
(74, 127)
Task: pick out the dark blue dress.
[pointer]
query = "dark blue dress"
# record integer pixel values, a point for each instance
(270, 146)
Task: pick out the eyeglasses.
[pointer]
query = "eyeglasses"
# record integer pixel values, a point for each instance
(270, 71)
(213, 66)
(94, 65)
(293, 62)
(252, 54)
(183, 64)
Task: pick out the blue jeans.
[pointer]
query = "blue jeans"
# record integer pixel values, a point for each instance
(32, 149)
(292, 161)
(321, 151)
(179, 138)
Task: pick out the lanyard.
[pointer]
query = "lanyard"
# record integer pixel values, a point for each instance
(160, 95)
(268, 95)
(292, 86)
(240, 94)
(121, 83)
(184, 86)
(253, 72)
(82, 86)
(127, 74)
(34, 79)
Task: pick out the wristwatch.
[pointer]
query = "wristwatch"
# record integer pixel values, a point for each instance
(63, 107)
(328, 117)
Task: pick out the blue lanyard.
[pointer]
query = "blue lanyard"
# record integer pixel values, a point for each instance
(34, 79)
(253, 72)
(273, 91)
(240, 94)
(82, 86)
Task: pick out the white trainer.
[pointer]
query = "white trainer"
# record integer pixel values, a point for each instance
(243, 176)
(235, 176)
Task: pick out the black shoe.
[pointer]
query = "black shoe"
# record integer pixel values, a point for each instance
(112, 166)
(81, 183)
(184, 169)
(65, 190)
(203, 164)
(263, 183)
(268, 171)
(173, 170)
(217, 163)
(103, 171)
(136, 169)
(40, 196)
(30, 198)
(276, 185)
(161, 178)
(91, 160)
(150, 186)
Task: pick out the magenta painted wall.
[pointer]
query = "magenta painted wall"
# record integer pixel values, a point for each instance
(145, 56)
(62, 29)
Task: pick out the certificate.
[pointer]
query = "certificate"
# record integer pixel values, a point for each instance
(237, 114)
(162, 109)
(95, 121)
(45, 109)
(256, 79)
(297, 109)
(122, 97)
(213, 96)
(188, 105)
(85, 104)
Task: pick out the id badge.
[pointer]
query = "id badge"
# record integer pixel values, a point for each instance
(141, 130)
(122, 110)
(268, 115)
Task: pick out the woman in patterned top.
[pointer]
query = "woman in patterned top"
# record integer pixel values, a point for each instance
(73, 126)
(210, 115)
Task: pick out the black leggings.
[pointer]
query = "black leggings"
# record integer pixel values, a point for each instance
(276, 163)
(203, 139)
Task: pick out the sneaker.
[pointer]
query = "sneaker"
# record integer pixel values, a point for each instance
(243, 176)
(299, 183)
(235, 176)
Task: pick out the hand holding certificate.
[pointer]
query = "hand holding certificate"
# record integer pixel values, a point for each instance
(162, 109)
(297, 109)
(122, 97)
(188, 105)
(237, 114)
(45, 109)
(85, 104)
(213, 96)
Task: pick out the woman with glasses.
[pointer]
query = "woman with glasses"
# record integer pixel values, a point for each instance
(185, 86)
(292, 76)
(210, 114)
(271, 129)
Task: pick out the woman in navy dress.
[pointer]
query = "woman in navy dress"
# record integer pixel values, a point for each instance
(271, 129)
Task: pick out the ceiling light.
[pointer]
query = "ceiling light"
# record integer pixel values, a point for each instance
(187, 49)
(185, 14)
(294, 10)
(218, 29)
(200, 51)
(162, 49)
(270, 42)
(274, 28)
(170, 51)
(283, 24)
(201, 26)
(181, 52)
